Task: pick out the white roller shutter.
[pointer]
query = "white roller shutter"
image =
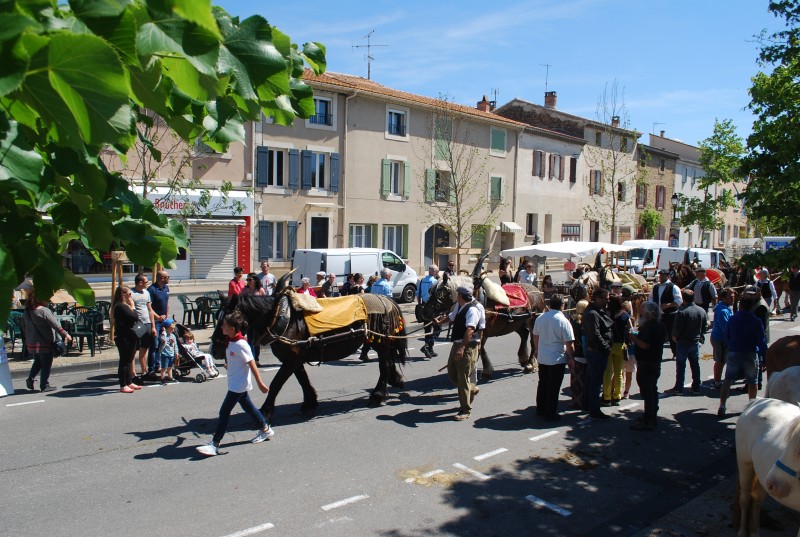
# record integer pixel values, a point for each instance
(213, 251)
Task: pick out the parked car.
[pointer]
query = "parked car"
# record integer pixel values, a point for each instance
(643, 257)
(704, 257)
(367, 261)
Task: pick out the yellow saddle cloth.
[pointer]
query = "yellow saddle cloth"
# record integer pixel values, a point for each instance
(336, 313)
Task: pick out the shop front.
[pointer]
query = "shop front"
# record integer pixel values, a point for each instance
(218, 228)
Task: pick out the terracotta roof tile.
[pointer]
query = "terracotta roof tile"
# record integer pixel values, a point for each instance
(362, 84)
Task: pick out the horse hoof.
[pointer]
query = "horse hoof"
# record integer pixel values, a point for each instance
(399, 384)
(307, 409)
(376, 400)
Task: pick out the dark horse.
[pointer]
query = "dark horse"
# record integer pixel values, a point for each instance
(274, 320)
(499, 320)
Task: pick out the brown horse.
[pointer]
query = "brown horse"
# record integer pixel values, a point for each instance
(277, 321)
(500, 320)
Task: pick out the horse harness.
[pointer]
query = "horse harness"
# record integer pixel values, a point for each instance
(794, 474)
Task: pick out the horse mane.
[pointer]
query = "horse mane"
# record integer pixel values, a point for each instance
(454, 282)
(793, 435)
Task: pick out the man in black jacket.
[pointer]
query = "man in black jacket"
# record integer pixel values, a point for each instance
(597, 330)
(794, 292)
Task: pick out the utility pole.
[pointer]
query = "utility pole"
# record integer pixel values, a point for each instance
(369, 46)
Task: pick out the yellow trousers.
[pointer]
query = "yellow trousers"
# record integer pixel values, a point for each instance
(613, 378)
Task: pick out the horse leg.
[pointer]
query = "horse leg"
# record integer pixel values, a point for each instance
(310, 402)
(488, 368)
(378, 395)
(280, 378)
(748, 511)
(526, 360)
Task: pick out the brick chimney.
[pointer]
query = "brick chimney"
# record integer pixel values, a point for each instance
(662, 133)
(484, 105)
(615, 121)
(550, 99)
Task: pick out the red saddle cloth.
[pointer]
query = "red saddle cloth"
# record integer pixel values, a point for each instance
(517, 297)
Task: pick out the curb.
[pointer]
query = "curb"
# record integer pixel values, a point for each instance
(94, 365)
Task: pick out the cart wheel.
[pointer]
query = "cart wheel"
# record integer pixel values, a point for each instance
(200, 377)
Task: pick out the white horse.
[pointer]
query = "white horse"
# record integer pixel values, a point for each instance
(768, 457)
(785, 385)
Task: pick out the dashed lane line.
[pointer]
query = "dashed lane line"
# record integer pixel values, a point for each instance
(542, 436)
(253, 530)
(346, 501)
(544, 503)
(26, 403)
(490, 454)
(476, 473)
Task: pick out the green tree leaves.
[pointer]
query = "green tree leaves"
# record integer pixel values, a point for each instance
(75, 80)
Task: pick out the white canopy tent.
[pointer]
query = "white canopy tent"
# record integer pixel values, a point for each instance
(564, 250)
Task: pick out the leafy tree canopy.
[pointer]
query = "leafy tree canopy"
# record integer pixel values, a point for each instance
(75, 79)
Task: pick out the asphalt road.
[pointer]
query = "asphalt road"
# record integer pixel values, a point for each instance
(87, 460)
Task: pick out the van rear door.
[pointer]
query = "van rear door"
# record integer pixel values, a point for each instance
(367, 263)
(307, 263)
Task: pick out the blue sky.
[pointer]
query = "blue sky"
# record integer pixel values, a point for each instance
(680, 63)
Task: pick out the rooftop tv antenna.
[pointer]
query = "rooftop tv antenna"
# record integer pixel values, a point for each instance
(547, 67)
(657, 123)
(369, 46)
(493, 102)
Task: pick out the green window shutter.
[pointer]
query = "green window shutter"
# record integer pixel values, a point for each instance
(374, 235)
(386, 166)
(497, 188)
(499, 140)
(404, 253)
(430, 185)
(407, 180)
(478, 239)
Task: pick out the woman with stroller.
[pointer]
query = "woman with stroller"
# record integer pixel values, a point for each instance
(123, 317)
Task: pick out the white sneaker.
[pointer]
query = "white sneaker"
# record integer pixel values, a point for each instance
(209, 450)
(263, 435)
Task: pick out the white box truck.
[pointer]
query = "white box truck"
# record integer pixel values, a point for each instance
(703, 256)
(344, 261)
(643, 256)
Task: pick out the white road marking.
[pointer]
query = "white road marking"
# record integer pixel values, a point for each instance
(542, 436)
(538, 501)
(346, 501)
(490, 454)
(628, 406)
(251, 531)
(26, 403)
(426, 474)
(476, 473)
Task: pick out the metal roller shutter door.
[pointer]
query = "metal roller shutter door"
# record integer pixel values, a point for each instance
(213, 251)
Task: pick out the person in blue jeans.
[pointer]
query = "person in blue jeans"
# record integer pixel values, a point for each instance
(241, 370)
(159, 300)
(688, 332)
(597, 331)
(423, 295)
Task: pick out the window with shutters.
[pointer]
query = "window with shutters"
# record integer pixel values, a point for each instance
(598, 138)
(496, 188)
(622, 191)
(531, 223)
(661, 197)
(271, 239)
(596, 183)
(662, 164)
(556, 171)
(623, 144)
(442, 187)
(641, 196)
(395, 238)
(570, 232)
(538, 164)
(443, 135)
(361, 235)
(395, 178)
(318, 175)
(498, 142)
(480, 232)
(320, 170)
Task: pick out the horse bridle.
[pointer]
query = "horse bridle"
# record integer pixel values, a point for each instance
(283, 305)
(786, 469)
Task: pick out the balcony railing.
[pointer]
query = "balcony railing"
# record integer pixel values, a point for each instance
(397, 130)
(322, 119)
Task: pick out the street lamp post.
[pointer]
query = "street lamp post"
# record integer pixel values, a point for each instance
(674, 228)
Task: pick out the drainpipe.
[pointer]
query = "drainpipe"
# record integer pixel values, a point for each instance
(343, 170)
(516, 174)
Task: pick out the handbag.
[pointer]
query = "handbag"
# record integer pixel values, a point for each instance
(140, 329)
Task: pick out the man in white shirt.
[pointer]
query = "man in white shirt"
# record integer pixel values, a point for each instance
(553, 338)
(267, 279)
(705, 294)
(528, 275)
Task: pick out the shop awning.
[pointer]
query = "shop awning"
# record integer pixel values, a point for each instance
(215, 222)
(510, 227)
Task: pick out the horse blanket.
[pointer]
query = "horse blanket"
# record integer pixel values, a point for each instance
(517, 297)
(336, 313)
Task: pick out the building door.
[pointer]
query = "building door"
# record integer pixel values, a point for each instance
(319, 232)
(435, 237)
(594, 231)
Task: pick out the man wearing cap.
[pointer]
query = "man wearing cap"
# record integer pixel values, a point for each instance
(466, 338)
(383, 286)
(767, 289)
(705, 294)
(423, 295)
(616, 289)
(236, 285)
(668, 297)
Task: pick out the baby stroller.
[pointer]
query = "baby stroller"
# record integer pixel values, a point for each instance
(191, 357)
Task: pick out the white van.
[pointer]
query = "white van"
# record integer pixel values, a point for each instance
(704, 257)
(643, 256)
(344, 261)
